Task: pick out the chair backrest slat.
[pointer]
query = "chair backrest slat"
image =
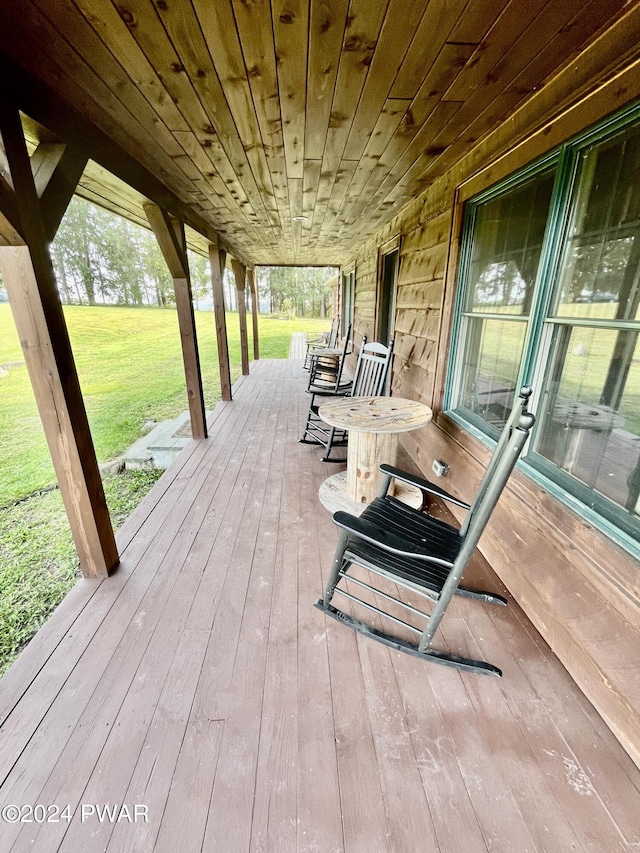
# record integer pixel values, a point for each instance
(373, 365)
(333, 334)
(343, 356)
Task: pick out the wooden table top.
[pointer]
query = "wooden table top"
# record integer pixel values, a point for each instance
(375, 414)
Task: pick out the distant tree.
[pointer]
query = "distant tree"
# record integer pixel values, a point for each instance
(301, 289)
(200, 277)
(156, 273)
(72, 252)
(229, 290)
(101, 257)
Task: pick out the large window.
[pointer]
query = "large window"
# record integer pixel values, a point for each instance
(550, 293)
(504, 257)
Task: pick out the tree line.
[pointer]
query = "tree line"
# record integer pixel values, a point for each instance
(102, 259)
(303, 291)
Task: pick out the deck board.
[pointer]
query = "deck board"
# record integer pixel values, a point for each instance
(200, 682)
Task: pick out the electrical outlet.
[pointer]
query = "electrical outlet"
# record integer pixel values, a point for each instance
(440, 469)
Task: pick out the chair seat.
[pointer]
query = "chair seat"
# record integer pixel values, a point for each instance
(420, 533)
(325, 391)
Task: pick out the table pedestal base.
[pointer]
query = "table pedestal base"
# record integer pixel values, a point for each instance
(333, 495)
(365, 452)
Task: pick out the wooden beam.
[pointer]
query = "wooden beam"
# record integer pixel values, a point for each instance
(10, 225)
(62, 183)
(40, 102)
(56, 169)
(254, 313)
(162, 226)
(217, 258)
(171, 240)
(44, 162)
(188, 338)
(239, 272)
(8, 234)
(30, 282)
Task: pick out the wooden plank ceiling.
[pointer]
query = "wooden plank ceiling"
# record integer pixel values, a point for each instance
(259, 113)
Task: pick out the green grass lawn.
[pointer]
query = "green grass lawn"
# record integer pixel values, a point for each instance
(38, 562)
(130, 367)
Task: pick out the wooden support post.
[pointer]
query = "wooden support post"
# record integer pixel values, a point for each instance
(30, 282)
(170, 236)
(217, 259)
(190, 356)
(239, 272)
(254, 313)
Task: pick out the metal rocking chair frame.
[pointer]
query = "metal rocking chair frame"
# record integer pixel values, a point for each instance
(421, 553)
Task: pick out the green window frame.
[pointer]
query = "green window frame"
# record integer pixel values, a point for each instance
(549, 293)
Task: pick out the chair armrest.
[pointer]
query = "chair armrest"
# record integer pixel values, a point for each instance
(422, 484)
(360, 528)
(321, 339)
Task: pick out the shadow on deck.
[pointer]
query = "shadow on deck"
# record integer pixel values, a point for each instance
(200, 684)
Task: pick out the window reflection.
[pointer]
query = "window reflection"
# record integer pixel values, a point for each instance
(561, 293)
(601, 267)
(591, 427)
(591, 423)
(505, 255)
(492, 362)
(506, 250)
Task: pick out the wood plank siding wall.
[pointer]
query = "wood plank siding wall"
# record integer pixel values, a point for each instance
(581, 590)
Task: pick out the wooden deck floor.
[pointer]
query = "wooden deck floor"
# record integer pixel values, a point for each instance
(200, 684)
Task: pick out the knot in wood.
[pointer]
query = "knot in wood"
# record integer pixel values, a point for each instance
(352, 43)
(127, 16)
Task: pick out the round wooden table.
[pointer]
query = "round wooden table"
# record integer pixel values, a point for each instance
(373, 424)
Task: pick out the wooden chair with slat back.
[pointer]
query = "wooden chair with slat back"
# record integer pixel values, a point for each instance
(369, 380)
(326, 341)
(326, 371)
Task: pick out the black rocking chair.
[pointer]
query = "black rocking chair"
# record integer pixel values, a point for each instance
(419, 552)
(369, 380)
